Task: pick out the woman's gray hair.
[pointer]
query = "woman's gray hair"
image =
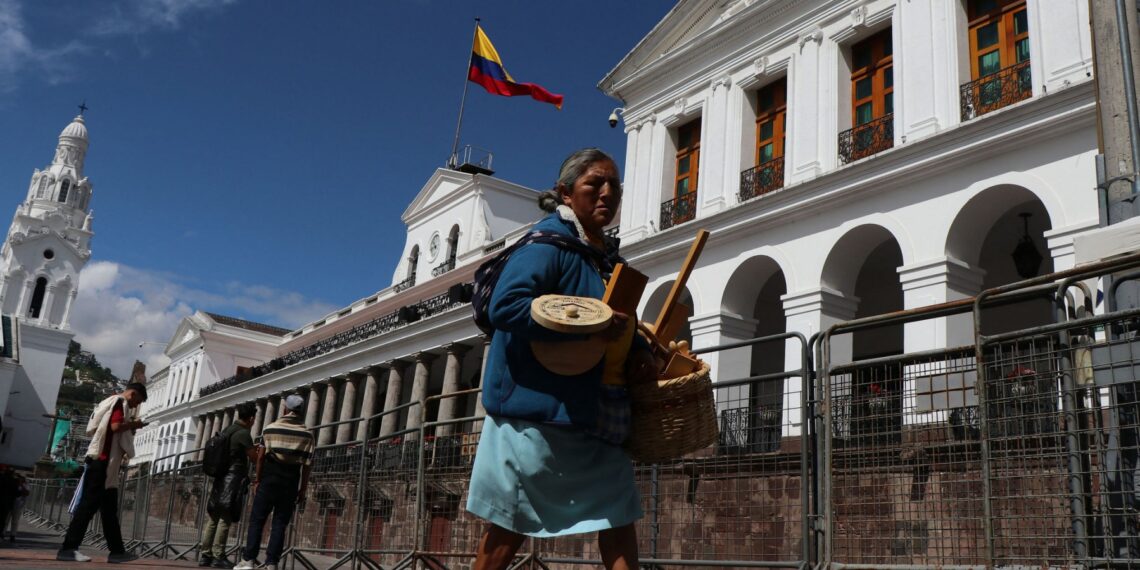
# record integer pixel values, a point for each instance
(573, 167)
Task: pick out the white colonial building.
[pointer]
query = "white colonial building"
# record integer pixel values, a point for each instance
(47, 245)
(849, 157)
(410, 340)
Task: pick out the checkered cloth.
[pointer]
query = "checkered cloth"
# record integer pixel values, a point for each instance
(614, 415)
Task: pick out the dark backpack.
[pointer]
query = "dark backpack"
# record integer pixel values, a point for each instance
(216, 454)
(487, 276)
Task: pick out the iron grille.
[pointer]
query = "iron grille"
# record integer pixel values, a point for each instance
(996, 90)
(678, 210)
(867, 139)
(405, 284)
(443, 268)
(762, 179)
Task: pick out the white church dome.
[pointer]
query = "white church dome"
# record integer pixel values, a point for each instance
(77, 129)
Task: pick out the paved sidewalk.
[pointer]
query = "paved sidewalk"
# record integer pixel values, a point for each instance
(36, 549)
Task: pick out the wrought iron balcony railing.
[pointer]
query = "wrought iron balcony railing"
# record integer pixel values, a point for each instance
(996, 90)
(678, 210)
(762, 179)
(867, 139)
(443, 268)
(405, 284)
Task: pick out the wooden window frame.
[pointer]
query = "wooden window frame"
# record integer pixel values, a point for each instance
(693, 151)
(876, 69)
(776, 113)
(1007, 41)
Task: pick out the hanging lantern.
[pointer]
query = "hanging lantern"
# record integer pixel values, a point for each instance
(1026, 258)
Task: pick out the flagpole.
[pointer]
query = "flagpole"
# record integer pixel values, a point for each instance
(453, 161)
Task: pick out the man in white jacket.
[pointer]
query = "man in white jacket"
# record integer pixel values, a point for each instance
(112, 430)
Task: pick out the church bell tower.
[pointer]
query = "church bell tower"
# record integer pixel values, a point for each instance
(49, 240)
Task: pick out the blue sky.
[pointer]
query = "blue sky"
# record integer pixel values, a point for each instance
(252, 157)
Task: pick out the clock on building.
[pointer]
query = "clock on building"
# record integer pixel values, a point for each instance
(433, 246)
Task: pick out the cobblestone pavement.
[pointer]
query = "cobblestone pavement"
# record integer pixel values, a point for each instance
(36, 549)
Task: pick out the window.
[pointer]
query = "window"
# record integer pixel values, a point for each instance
(872, 99)
(38, 298)
(999, 35)
(63, 188)
(688, 157)
(872, 79)
(999, 56)
(771, 108)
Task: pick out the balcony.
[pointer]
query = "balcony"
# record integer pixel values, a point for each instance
(867, 139)
(996, 90)
(762, 179)
(405, 284)
(678, 210)
(443, 268)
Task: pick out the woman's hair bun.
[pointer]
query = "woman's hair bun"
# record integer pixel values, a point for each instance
(548, 201)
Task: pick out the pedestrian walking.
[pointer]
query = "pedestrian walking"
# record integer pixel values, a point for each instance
(229, 489)
(280, 482)
(112, 431)
(17, 511)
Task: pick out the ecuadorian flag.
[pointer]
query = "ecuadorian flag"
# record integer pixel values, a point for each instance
(487, 70)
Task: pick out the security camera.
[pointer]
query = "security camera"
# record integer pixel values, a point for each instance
(614, 116)
(141, 345)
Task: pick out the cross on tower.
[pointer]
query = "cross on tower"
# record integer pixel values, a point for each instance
(82, 108)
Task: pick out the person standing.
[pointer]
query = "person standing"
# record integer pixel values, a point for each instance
(550, 461)
(17, 511)
(112, 431)
(281, 481)
(227, 495)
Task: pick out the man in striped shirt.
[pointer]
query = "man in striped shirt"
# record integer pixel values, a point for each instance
(282, 479)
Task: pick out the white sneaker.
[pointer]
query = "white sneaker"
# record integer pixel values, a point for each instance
(72, 556)
(244, 565)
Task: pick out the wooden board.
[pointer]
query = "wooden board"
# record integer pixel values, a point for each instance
(679, 284)
(624, 289)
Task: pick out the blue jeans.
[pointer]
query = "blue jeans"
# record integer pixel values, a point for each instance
(278, 496)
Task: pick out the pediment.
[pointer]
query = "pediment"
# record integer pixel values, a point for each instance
(189, 331)
(443, 184)
(687, 20)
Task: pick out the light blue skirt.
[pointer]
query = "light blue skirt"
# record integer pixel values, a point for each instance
(542, 480)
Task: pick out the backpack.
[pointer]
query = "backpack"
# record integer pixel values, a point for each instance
(487, 276)
(216, 454)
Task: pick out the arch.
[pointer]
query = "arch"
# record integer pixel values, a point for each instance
(848, 254)
(38, 295)
(64, 187)
(862, 265)
(985, 233)
(453, 244)
(746, 282)
(656, 301)
(413, 261)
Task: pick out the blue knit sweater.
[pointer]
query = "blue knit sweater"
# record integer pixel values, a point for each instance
(514, 384)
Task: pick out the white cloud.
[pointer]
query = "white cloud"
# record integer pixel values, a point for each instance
(22, 53)
(18, 53)
(140, 16)
(120, 306)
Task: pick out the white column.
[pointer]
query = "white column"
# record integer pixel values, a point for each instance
(66, 320)
(630, 214)
(711, 186)
(328, 413)
(716, 329)
(926, 68)
(258, 419)
(25, 299)
(313, 406)
(646, 192)
(735, 141)
(808, 312)
(1060, 43)
(50, 293)
(419, 392)
(390, 420)
(451, 376)
(368, 404)
(810, 123)
(272, 408)
(938, 281)
(347, 407)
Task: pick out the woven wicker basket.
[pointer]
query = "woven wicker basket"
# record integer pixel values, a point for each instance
(672, 418)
